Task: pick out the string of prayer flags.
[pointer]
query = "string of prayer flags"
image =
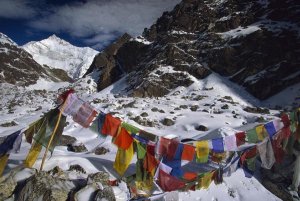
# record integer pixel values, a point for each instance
(266, 153)
(111, 125)
(202, 151)
(11, 144)
(217, 145)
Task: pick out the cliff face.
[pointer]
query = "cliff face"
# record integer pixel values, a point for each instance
(255, 44)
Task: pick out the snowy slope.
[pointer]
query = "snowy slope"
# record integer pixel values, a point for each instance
(213, 89)
(57, 53)
(4, 39)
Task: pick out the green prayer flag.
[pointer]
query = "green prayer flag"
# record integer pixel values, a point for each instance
(130, 128)
(252, 136)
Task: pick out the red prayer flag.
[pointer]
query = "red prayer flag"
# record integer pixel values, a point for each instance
(123, 139)
(168, 182)
(188, 152)
(240, 138)
(190, 175)
(150, 162)
(111, 125)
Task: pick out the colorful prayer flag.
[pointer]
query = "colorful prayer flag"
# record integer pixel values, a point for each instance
(202, 151)
(32, 155)
(261, 132)
(266, 153)
(240, 138)
(218, 145)
(123, 139)
(169, 183)
(123, 159)
(188, 152)
(205, 180)
(130, 128)
(230, 143)
(111, 125)
(270, 129)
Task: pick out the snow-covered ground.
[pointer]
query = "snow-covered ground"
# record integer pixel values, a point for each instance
(208, 96)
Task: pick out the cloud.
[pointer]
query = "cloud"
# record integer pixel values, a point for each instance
(100, 20)
(17, 9)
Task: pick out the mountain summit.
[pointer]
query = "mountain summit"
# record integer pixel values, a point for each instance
(58, 53)
(255, 44)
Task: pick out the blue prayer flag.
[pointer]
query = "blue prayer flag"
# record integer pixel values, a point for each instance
(270, 129)
(8, 143)
(218, 145)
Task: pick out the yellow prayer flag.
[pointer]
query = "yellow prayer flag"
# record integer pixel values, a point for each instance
(123, 159)
(205, 181)
(202, 150)
(3, 161)
(261, 132)
(33, 155)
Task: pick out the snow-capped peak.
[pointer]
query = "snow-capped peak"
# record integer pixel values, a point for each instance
(5, 39)
(58, 53)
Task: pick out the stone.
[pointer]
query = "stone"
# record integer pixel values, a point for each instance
(106, 194)
(201, 128)
(168, 122)
(144, 114)
(77, 148)
(77, 168)
(101, 151)
(225, 107)
(101, 177)
(155, 109)
(257, 110)
(194, 108)
(66, 140)
(9, 124)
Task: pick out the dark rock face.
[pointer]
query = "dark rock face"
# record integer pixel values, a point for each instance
(18, 67)
(253, 43)
(106, 63)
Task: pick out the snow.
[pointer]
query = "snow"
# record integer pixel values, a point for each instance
(4, 39)
(239, 32)
(57, 53)
(141, 39)
(213, 89)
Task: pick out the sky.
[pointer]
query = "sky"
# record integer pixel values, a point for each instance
(93, 23)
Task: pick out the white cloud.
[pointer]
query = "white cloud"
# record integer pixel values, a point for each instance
(16, 9)
(101, 19)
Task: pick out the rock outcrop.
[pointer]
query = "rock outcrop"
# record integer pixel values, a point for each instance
(255, 44)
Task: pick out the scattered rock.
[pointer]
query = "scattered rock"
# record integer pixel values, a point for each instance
(77, 148)
(129, 105)
(260, 119)
(144, 121)
(225, 107)
(194, 108)
(155, 109)
(257, 110)
(9, 124)
(101, 177)
(77, 168)
(106, 194)
(177, 108)
(144, 114)
(101, 151)
(161, 111)
(183, 106)
(201, 128)
(168, 122)
(38, 108)
(66, 140)
(199, 97)
(205, 110)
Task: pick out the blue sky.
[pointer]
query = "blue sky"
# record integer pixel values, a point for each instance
(93, 23)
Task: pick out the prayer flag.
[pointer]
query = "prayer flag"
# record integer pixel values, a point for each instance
(148, 136)
(9, 142)
(131, 129)
(98, 124)
(261, 132)
(3, 161)
(163, 167)
(202, 151)
(188, 152)
(266, 153)
(123, 139)
(169, 183)
(252, 136)
(240, 138)
(218, 145)
(205, 180)
(230, 143)
(110, 126)
(270, 129)
(72, 105)
(123, 159)
(150, 163)
(278, 124)
(85, 115)
(33, 155)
